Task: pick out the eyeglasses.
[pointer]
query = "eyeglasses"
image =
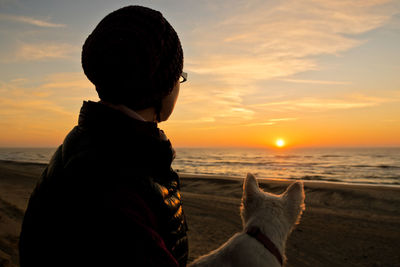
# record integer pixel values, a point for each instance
(183, 77)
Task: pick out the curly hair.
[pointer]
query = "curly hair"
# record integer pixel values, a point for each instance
(133, 57)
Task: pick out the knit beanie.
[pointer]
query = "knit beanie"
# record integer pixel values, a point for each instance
(133, 57)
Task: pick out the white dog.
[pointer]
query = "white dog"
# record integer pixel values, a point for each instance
(267, 220)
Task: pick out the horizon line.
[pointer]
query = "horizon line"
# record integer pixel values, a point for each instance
(236, 147)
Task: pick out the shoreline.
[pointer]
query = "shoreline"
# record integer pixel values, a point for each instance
(260, 179)
(287, 181)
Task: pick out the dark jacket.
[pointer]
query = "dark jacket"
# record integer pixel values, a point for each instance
(108, 198)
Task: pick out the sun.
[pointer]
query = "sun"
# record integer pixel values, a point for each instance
(280, 143)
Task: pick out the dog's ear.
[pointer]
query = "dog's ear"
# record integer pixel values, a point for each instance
(294, 200)
(250, 188)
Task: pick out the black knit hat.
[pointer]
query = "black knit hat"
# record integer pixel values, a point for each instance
(133, 57)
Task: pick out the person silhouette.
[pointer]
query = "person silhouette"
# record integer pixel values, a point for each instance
(109, 196)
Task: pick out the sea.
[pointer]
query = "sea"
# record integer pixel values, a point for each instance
(345, 165)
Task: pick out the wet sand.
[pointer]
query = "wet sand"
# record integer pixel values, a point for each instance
(343, 225)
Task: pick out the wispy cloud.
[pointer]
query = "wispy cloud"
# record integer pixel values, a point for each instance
(196, 121)
(283, 119)
(67, 80)
(259, 124)
(335, 104)
(50, 94)
(31, 21)
(256, 41)
(269, 122)
(209, 123)
(323, 104)
(41, 52)
(43, 109)
(264, 39)
(316, 82)
(219, 103)
(23, 105)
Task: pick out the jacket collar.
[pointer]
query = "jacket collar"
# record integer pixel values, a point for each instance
(124, 109)
(102, 117)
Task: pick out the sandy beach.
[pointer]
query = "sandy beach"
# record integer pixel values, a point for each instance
(343, 225)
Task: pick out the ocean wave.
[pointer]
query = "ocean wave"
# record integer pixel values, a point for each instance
(362, 166)
(312, 177)
(375, 166)
(383, 166)
(333, 156)
(286, 156)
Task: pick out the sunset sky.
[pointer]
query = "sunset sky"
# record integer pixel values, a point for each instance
(313, 73)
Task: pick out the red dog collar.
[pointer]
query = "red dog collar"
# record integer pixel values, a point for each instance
(268, 244)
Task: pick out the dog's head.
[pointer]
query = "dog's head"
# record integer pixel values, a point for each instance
(285, 209)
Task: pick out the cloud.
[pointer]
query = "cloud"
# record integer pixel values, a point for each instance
(196, 121)
(269, 122)
(243, 44)
(259, 124)
(53, 94)
(283, 119)
(20, 103)
(211, 103)
(335, 104)
(210, 121)
(323, 104)
(260, 40)
(316, 82)
(41, 52)
(29, 106)
(31, 21)
(41, 109)
(68, 80)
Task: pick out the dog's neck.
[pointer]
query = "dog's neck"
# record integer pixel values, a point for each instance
(266, 242)
(274, 230)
